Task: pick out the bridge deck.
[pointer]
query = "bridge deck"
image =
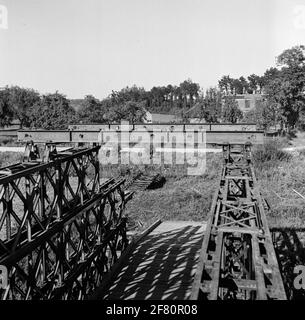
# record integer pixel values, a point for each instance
(161, 266)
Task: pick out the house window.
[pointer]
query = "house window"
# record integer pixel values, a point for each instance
(247, 104)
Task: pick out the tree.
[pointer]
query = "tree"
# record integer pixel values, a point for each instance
(133, 93)
(238, 86)
(189, 91)
(212, 100)
(254, 81)
(52, 112)
(21, 100)
(264, 115)
(286, 90)
(271, 74)
(91, 110)
(6, 112)
(293, 58)
(207, 107)
(226, 84)
(231, 113)
(245, 84)
(130, 111)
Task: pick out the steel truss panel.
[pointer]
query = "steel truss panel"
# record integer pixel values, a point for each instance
(237, 259)
(61, 231)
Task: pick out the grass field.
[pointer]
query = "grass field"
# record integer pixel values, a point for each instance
(181, 198)
(8, 158)
(184, 197)
(189, 197)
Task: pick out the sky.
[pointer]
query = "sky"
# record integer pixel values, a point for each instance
(96, 46)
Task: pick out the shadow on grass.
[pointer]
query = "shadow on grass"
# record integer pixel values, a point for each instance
(290, 253)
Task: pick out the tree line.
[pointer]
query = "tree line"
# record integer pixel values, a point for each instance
(55, 111)
(282, 86)
(284, 89)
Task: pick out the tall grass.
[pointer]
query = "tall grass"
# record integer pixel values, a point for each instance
(279, 173)
(9, 142)
(183, 197)
(8, 158)
(270, 151)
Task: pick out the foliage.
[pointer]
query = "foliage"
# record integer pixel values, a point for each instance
(6, 112)
(21, 100)
(226, 84)
(270, 151)
(207, 107)
(91, 111)
(128, 94)
(264, 115)
(130, 111)
(53, 111)
(286, 89)
(283, 86)
(231, 113)
(9, 158)
(230, 85)
(255, 83)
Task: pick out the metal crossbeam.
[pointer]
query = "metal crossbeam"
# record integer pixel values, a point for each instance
(237, 259)
(169, 126)
(102, 136)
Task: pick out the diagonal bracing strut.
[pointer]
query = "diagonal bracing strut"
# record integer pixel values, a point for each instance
(237, 259)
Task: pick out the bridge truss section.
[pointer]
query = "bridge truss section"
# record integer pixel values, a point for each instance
(61, 230)
(237, 259)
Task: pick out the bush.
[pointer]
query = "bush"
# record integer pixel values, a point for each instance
(271, 151)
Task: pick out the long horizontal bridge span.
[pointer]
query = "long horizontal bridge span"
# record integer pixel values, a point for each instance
(101, 137)
(8, 133)
(167, 126)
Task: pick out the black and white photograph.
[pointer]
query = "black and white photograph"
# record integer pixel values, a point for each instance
(152, 153)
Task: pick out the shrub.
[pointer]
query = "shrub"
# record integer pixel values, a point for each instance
(271, 151)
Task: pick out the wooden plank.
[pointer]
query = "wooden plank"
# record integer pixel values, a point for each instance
(120, 261)
(162, 264)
